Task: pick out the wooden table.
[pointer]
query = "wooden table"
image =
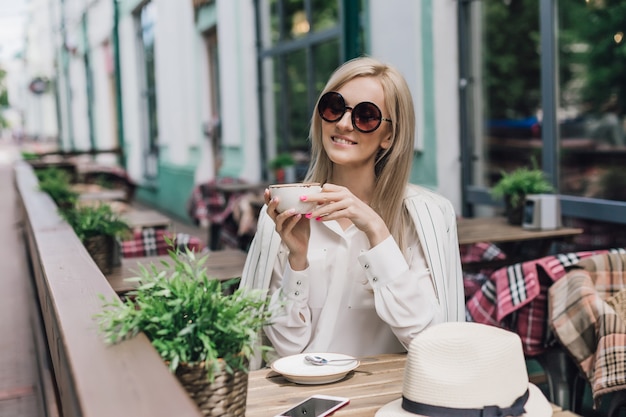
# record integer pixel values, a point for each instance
(377, 381)
(223, 265)
(237, 187)
(517, 243)
(498, 230)
(145, 218)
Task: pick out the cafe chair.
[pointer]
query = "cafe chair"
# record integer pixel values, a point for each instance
(617, 404)
(150, 241)
(108, 176)
(515, 297)
(587, 314)
(229, 217)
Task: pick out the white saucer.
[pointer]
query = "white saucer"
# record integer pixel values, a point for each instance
(296, 369)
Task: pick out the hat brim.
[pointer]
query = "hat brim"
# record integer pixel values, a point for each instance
(536, 406)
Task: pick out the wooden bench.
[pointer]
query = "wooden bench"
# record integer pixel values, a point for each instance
(81, 375)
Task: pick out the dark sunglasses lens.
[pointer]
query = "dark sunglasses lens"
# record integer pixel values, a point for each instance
(366, 117)
(331, 107)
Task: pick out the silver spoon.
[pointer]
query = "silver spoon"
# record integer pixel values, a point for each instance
(320, 361)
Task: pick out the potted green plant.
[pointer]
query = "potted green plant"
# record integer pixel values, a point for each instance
(206, 335)
(56, 183)
(98, 227)
(514, 186)
(281, 165)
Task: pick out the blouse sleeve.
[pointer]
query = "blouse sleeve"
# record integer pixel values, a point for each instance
(290, 331)
(404, 295)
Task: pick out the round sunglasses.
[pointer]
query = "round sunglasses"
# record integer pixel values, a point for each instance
(366, 116)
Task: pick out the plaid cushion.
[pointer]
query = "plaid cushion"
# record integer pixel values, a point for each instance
(151, 242)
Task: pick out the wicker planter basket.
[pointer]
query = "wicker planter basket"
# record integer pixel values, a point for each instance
(225, 396)
(102, 250)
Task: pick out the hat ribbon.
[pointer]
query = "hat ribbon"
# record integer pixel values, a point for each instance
(516, 409)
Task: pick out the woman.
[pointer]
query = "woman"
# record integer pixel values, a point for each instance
(377, 261)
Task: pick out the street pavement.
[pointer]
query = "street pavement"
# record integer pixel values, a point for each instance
(19, 387)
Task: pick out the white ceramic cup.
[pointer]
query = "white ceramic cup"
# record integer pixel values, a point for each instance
(289, 196)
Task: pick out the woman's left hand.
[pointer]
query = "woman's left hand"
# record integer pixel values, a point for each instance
(336, 202)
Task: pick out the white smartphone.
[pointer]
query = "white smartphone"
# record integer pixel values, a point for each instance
(316, 406)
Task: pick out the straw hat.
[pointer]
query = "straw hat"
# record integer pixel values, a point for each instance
(466, 369)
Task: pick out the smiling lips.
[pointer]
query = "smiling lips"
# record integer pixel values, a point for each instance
(342, 141)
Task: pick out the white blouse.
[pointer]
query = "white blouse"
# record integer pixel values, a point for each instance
(352, 299)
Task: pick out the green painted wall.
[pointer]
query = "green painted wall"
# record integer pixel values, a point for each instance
(206, 17)
(170, 191)
(233, 158)
(425, 163)
(127, 6)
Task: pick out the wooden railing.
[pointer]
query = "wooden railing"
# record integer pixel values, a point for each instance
(86, 377)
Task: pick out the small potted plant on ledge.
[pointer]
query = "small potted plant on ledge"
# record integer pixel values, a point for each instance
(204, 334)
(283, 166)
(98, 227)
(515, 186)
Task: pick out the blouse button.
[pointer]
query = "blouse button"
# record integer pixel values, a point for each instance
(299, 282)
(297, 293)
(375, 279)
(366, 266)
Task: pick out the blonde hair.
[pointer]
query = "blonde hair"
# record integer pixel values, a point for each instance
(393, 165)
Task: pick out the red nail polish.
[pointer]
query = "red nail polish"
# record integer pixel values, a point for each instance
(303, 198)
(308, 215)
(318, 219)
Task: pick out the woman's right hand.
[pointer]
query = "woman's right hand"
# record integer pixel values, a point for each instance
(294, 230)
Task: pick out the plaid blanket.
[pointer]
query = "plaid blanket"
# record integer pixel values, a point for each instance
(515, 297)
(586, 315)
(478, 252)
(151, 242)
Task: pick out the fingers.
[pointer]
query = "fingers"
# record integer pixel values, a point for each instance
(335, 205)
(329, 194)
(287, 221)
(272, 205)
(284, 221)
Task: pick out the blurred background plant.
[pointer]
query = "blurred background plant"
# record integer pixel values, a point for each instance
(57, 184)
(4, 98)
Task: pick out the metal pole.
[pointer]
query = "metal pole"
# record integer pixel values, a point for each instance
(549, 86)
(260, 91)
(467, 146)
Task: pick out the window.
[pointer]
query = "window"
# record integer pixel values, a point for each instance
(593, 98)
(530, 97)
(300, 47)
(147, 19)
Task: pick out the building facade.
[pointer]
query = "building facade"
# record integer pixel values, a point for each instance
(194, 89)
(190, 90)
